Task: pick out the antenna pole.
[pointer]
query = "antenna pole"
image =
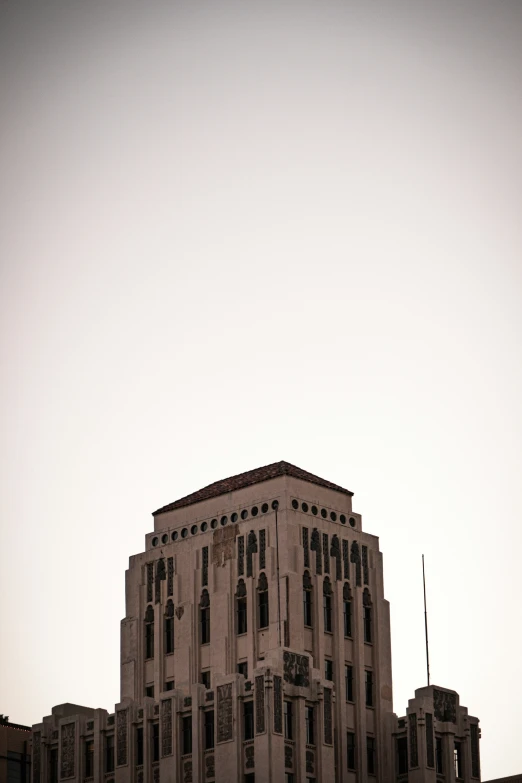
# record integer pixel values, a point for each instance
(426, 622)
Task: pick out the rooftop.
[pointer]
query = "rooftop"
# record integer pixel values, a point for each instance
(242, 480)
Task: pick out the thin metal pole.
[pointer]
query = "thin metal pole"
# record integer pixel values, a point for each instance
(278, 585)
(426, 622)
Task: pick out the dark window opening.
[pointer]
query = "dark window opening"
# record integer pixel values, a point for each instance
(155, 742)
(307, 605)
(186, 735)
(209, 729)
(204, 624)
(242, 668)
(350, 749)
(89, 759)
(287, 713)
(438, 756)
(459, 761)
(263, 609)
(367, 624)
(149, 640)
(370, 755)
(328, 670)
(310, 726)
(109, 753)
(248, 720)
(53, 766)
(139, 745)
(241, 615)
(169, 635)
(369, 688)
(347, 616)
(205, 679)
(348, 681)
(327, 611)
(169, 685)
(149, 691)
(402, 755)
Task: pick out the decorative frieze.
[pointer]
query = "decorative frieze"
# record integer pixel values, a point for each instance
(262, 548)
(365, 568)
(430, 750)
(121, 738)
(260, 703)
(325, 554)
(414, 754)
(328, 731)
(315, 546)
(444, 706)
(278, 704)
(296, 669)
(224, 712)
(355, 557)
(68, 747)
(166, 727)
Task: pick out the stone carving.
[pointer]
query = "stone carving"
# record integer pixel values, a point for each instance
(121, 738)
(241, 589)
(278, 704)
(306, 548)
(346, 560)
(335, 551)
(296, 669)
(140, 776)
(260, 703)
(68, 746)
(156, 775)
(315, 546)
(169, 608)
(249, 755)
(414, 755)
(347, 593)
(430, 753)
(366, 599)
(179, 612)
(328, 733)
(37, 739)
(251, 548)
(166, 727)
(209, 767)
(248, 685)
(187, 772)
(355, 557)
(224, 712)
(170, 576)
(366, 571)
(156, 709)
(241, 555)
(310, 761)
(262, 549)
(326, 554)
(289, 757)
(150, 580)
(204, 576)
(475, 758)
(161, 575)
(209, 696)
(149, 614)
(445, 706)
(327, 586)
(90, 725)
(307, 581)
(262, 584)
(205, 600)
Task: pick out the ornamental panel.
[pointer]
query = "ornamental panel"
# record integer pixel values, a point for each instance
(224, 712)
(328, 731)
(414, 754)
(121, 738)
(430, 750)
(260, 703)
(296, 669)
(68, 747)
(166, 727)
(278, 704)
(444, 706)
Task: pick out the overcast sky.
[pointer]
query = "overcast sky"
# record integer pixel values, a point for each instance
(234, 233)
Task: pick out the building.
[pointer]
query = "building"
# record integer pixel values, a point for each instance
(256, 648)
(15, 752)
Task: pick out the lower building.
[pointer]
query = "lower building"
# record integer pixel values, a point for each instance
(256, 649)
(15, 752)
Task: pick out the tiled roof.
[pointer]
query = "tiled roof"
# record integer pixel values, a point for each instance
(247, 479)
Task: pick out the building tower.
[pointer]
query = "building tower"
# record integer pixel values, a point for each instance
(255, 648)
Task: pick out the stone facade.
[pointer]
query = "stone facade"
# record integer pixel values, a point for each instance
(255, 646)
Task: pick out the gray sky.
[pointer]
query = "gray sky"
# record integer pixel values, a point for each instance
(234, 233)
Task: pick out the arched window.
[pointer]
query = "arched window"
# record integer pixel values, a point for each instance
(241, 607)
(169, 627)
(307, 598)
(347, 610)
(327, 604)
(204, 618)
(149, 632)
(262, 596)
(367, 615)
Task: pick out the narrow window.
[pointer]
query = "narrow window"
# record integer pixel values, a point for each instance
(328, 669)
(348, 681)
(109, 753)
(205, 679)
(149, 691)
(186, 732)
(402, 755)
(350, 749)
(438, 756)
(248, 720)
(169, 627)
(262, 591)
(310, 725)
(53, 765)
(347, 610)
(209, 729)
(370, 755)
(169, 685)
(307, 599)
(155, 742)
(327, 605)
(250, 778)
(149, 633)
(89, 759)
(367, 615)
(241, 608)
(242, 668)
(288, 720)
(457, 755)
(139, 745)
(289, 777)
(369, 688)
(204, 618)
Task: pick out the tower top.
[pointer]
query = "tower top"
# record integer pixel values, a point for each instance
(242, 480)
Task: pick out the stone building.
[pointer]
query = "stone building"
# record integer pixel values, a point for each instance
(256, 648)
(15, 752)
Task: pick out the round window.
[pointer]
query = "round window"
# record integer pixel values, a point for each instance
(333, 516)
(343, 519)
(352, 521)
(184, 533)
(203, 527)
(304, 506)
(244, 514)
(314, 510)
(324, 513)
(164, 538)
(194, 529)
(295, 504)
(175, 535)
(275, 504)
(254, 511)
(264, 508)
(155, 541)
(224, 520)
(233, 517)
(213, 524)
